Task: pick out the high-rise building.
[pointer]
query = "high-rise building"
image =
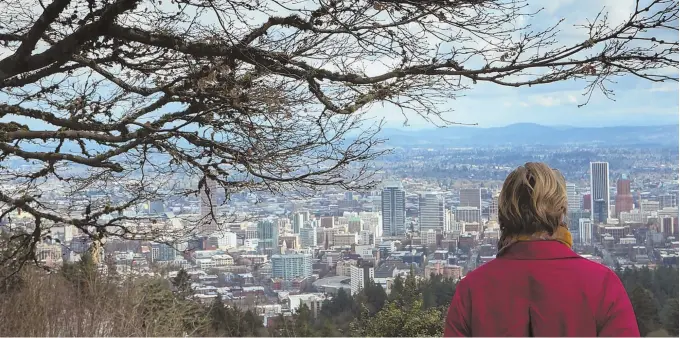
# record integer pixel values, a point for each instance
(471, 198)
(467, 214)
(624, 198)
(393, 200)
(599, 189)
(208, 196)
(308, 237)
(585, 231)
(493, 208)
(431, 212)
(573, 200)
(268, 235)
(355, 224)
(648, 207)
(298, 222)
(574, 217)
(291, 266)
(587, 202)
(599, 212)
(360, 275)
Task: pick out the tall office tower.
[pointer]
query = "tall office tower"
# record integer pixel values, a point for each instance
(467, 214)
(471, 198)
(431, 212)
(599, 189)
(493, 208)
(298, 222)
(268, 235)
(360, 276)
(624, 198)
(308, 237)
(573, 218)
(208, 196)
(573, 200)
(585, 231)
(586, 202)
(393, 200)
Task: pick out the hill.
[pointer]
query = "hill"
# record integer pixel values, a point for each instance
(533, 134)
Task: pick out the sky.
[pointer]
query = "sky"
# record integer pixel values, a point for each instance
(637, 101)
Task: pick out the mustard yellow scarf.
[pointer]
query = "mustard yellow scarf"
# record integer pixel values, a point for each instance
(561, 234)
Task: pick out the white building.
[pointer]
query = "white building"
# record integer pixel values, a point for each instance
(585, 231)
(223, 260)
(291, 266)
(573, 200)
(359, 277)
(431, 212)
(431, 237)
(308, 237)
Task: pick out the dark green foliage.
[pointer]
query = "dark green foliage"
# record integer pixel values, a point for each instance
(669, 316)
(182, 284)
(226, 321)
(654, 295)
(645, 309)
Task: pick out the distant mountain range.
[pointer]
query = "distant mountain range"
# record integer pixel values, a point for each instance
(532, 134)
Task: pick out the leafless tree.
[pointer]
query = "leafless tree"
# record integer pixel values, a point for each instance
(128, 97)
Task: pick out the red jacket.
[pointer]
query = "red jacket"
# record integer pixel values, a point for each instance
(541, 289)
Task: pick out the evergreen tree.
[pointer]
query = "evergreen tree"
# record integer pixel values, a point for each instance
(374, 297)
(669, 316)
(645, 309)
(182, 284)
(396, 321)
(253, 324)
(219, 323)
(303, 320)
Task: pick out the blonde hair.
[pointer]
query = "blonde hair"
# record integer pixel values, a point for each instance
(533, 199)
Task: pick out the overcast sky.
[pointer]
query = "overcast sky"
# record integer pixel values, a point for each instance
(638, 102)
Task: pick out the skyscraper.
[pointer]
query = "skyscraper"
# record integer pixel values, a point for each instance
(599, 189)
(573, 200)
(393, 200)
(360, 276)
(493, 208)
(585, 231)
(471, 198)
(431, 212)
(308, 236)
(624, 198)
(208, 196)
(298, 222)
(268, 235)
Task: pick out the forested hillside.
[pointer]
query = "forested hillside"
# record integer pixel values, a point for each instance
(81, 301)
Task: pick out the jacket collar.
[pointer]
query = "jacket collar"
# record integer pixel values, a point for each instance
(538, 250)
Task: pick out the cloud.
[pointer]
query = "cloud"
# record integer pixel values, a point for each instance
(546, 101)
(665, 88)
